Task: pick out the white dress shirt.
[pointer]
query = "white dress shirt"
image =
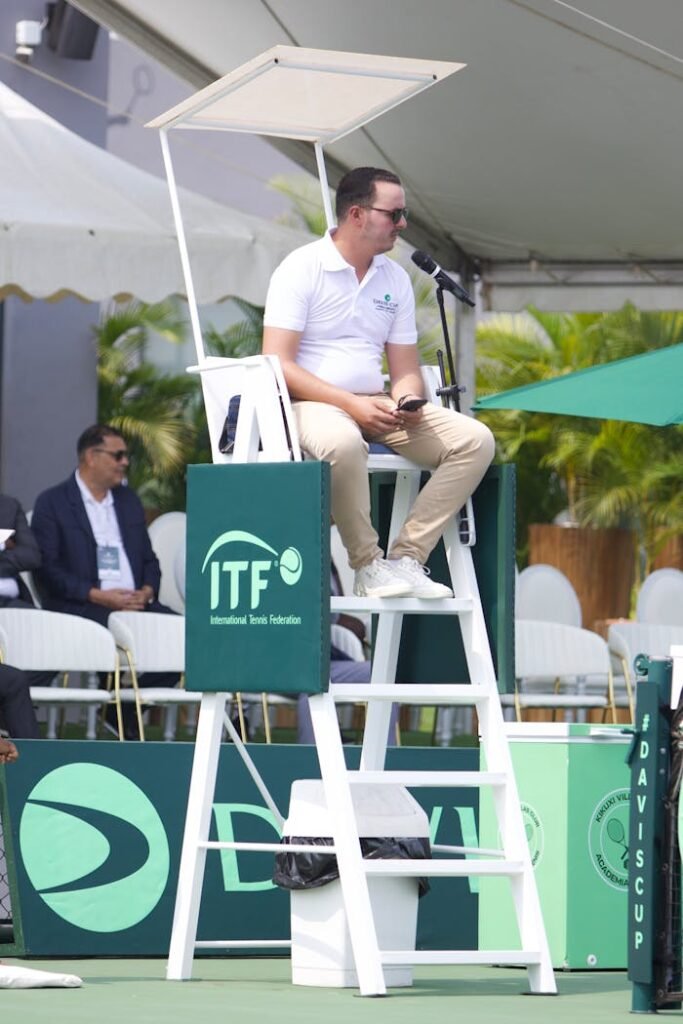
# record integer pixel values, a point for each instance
(105, 528)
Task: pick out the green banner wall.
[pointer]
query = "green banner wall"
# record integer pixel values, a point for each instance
(93, 833)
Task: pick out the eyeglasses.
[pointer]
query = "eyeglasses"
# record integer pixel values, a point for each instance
(117, 456)
(397, 215)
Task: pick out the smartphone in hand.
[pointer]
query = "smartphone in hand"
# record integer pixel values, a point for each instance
(411, 404)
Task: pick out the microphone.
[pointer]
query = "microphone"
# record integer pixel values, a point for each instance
(425, 262)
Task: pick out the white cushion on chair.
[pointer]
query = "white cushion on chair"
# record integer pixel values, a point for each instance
(38, 641)
(156, 641)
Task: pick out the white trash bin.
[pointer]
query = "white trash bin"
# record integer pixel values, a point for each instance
(321, 945)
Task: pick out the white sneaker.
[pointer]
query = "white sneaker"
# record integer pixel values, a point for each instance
(417, 576)
(379, 579)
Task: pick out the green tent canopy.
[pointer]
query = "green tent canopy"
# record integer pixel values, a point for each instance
(642, 389)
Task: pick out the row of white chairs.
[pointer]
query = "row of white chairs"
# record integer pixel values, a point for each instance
(542, 591)
(559, 664)
(35, 640)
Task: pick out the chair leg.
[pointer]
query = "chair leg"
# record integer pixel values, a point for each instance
(518, 706)
(610, 697)
(240, 715)
(266, 717)
(61, 712)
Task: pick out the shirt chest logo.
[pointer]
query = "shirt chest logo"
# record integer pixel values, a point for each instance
(385, 304)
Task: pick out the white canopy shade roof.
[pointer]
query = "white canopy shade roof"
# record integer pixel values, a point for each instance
(77, 220)
(551, 165)
(298, 93)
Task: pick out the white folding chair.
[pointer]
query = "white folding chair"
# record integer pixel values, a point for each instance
(660, 599)
(41, 641)
(626, 640)
(554, 666)
(544, 594)
(167, 535)
(151, 642)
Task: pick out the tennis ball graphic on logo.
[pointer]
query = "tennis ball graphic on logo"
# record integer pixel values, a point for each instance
(94, 847)
(291, 566)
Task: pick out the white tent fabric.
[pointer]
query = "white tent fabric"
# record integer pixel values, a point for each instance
(550, 165)
(76, 220)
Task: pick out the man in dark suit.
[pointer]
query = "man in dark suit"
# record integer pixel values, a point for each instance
(96, 552)
(16, 709)
(19, 553)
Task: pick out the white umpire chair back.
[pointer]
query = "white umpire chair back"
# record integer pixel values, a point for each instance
(574, 659)
(41, 641)
(167, 536)
(660, 599)
(150, 642)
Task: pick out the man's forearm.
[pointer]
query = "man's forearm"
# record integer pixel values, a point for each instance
(408, 384)
(309, 388)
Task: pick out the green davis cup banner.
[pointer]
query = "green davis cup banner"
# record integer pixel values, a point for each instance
(257, 577)
(93, 834)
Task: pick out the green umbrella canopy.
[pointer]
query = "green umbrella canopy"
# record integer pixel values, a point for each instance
(642, 389)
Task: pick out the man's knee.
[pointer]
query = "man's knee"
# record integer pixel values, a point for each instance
(485, 442)
(473, 439)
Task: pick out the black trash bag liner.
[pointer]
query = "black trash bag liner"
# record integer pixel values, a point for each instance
(311, 870)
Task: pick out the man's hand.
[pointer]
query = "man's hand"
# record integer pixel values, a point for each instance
(405, 416)
(8, 752)
(120, 600)
(373, 415)
(141, 598)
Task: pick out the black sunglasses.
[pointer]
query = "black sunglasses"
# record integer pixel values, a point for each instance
(117, 456)
(400, 213)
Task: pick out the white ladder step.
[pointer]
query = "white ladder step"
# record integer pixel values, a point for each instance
(433, 778)
(410, 693)
(407, 605)
(484, 957)
(394, 868)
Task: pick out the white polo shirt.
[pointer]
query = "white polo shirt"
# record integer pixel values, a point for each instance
(345, 325)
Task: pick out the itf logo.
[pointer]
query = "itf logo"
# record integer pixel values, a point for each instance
(230, 578)
(98, 857)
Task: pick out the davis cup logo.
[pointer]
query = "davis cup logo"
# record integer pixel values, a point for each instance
(100, 858)
(241, 581)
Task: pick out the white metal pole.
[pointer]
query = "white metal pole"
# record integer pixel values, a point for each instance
(182, 247)
(322, 175)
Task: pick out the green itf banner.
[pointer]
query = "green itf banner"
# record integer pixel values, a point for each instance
(93, 833)
(258, 578)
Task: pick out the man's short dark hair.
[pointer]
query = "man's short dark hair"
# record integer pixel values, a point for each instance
(357, 188)
(94, 436)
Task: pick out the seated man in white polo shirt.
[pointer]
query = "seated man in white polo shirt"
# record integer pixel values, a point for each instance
(335, 307)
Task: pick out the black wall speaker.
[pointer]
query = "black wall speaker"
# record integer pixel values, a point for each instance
(69, 32)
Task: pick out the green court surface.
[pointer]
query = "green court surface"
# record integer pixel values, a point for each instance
(135, 992)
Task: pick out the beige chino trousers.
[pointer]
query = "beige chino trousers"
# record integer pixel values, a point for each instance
(458, 449)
